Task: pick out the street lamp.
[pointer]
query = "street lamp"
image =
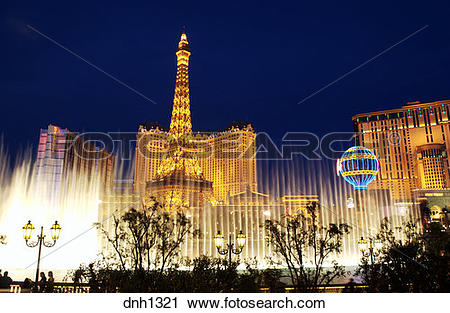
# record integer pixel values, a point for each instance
(370, 247)
(28, 229)
(219, 241)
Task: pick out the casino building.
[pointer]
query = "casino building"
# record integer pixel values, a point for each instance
(412, 144)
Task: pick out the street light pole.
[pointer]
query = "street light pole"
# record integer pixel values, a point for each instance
(229, 247)
(372, 245)
(40, 239)
(28, 230)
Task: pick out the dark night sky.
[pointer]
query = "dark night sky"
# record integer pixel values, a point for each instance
(250, 61)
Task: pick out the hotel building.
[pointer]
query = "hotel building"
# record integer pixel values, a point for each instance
(63, 156)
(412, 144)
(230, 173)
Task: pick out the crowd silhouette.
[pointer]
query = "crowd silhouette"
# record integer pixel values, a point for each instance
(44, 284)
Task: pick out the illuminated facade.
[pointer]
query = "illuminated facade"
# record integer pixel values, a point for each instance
(224, 159)
(432, 166)
(438, 203)
(412, 145)
(152, 142)
(62, 154)
(230, 161)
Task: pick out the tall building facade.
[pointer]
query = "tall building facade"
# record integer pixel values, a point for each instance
(225, 158)
(412, 144)
(62, 154)
(229, 162)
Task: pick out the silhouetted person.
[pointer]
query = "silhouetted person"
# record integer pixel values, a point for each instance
(350, 286)
(27, 284)
(5, 281)
(42, 282)
(50, 282)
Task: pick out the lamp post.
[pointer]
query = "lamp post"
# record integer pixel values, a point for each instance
(230, 249)
(28, 229)
(370, 247)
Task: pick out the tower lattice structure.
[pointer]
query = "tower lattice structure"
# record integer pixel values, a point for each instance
(180, 123)
(179, 180)
(224, 157)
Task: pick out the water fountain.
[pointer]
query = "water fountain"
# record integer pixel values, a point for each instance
(25, 196)
(75, 204)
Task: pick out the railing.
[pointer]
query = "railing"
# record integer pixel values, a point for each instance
(71, 289)
(327, 289)
(85, 288)
(16, 287)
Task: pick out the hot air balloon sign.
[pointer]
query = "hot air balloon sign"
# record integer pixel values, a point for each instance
(358, 166)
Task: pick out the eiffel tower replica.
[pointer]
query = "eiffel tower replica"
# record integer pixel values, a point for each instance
(179, 182)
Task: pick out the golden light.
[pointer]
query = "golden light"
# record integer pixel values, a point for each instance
(218, 240)
(362, 244)
(55, 230)
(28, 230)
(241, 239)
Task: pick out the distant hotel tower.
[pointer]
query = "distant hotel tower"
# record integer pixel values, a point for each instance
(61, 156)
(412, 144)
(225, 158)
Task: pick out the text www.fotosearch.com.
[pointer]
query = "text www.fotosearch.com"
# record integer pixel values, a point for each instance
(237, 303)
(224, 303)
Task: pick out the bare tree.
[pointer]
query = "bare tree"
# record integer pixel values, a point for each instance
(171, 230)
(304, 246)
(148, 237)
(116, 237)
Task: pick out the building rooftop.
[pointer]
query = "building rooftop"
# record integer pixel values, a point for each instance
(409, 105)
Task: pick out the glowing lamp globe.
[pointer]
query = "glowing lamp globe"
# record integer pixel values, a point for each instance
(241, 239)
(218, 239)
(358, 166)
(28, 230)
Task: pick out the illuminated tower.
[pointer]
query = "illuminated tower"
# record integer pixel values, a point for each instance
(228, 159)
(179, 181)
(432, 166)
(180, 123)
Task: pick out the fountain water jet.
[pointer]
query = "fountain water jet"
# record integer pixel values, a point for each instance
(26, 195)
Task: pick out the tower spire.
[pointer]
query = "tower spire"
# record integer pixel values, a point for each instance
(179, 180)
(180, 123)
(178, 161)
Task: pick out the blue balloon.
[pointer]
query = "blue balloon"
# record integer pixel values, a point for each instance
(359, 166)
